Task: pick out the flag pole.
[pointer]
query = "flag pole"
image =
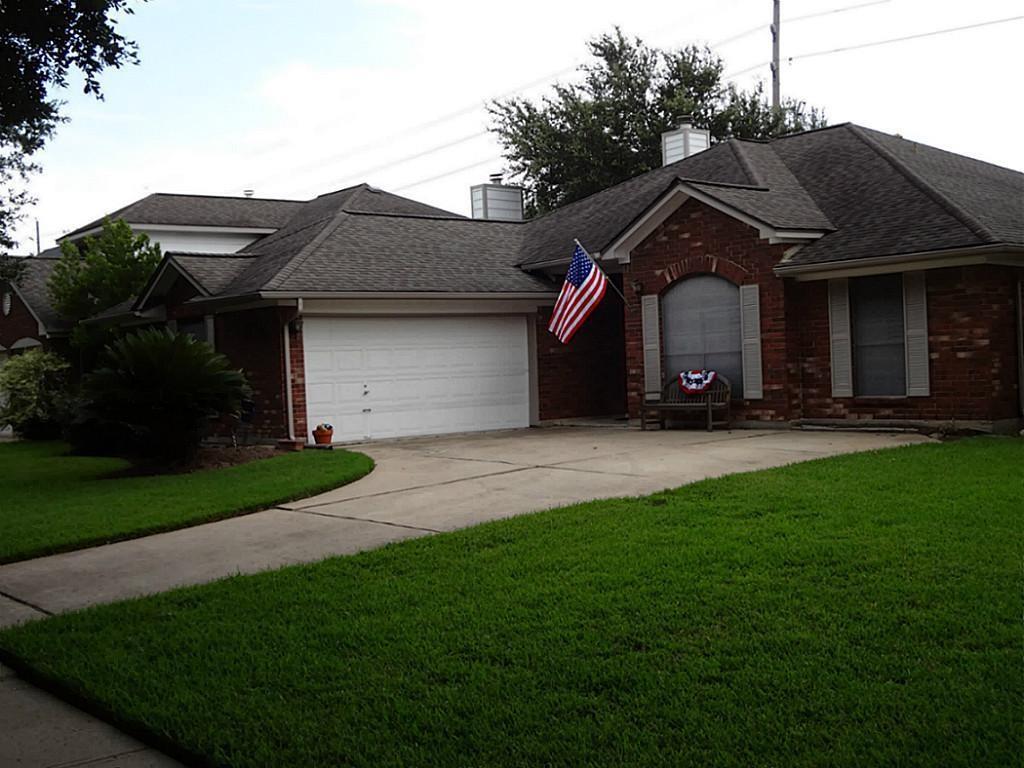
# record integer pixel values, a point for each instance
(594, 262)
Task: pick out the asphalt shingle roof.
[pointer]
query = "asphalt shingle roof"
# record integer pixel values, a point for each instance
(33, 289)
(872, 194)
(202, 211)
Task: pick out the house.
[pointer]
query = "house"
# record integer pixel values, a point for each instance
(27, 319)
(835, 276)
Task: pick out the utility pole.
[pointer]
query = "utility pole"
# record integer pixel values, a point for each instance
(39, 250)
(776, 28)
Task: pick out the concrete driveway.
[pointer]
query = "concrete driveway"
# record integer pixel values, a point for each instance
(419, 487)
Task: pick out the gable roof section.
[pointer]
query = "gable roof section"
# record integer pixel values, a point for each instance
(364, 239)
(882, 206)
(201, 211)
(741, 175)
(33, 290)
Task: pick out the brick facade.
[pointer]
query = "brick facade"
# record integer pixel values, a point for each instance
(19, 324)
(586, 377)
(972, 343)
(697, 240)
(298, 383)
(972, 328)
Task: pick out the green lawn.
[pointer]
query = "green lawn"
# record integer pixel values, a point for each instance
(52, 502)
(855, 611)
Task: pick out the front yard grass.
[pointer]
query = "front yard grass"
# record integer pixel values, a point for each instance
(51, 502)
(860, 610)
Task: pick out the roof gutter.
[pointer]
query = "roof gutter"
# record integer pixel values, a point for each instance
(449, 295)
(1005, 254)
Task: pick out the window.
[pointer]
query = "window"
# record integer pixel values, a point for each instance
(700, 319)
(198, 328)
(879, 342)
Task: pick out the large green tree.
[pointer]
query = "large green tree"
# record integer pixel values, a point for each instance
(41, 42)
(605, 128)
(99, 273)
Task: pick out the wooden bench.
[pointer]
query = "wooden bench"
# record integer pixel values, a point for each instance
(717, 397)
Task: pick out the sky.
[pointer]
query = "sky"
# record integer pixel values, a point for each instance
(296, 98)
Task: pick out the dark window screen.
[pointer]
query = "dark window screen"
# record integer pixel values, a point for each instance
(879, 352)
(700, 319)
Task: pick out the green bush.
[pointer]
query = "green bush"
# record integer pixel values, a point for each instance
(157, 394)
(33, 394)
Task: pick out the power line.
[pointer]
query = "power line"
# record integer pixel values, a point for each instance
(918, 36)
(469, 109)
(446, 174)
(875, 43)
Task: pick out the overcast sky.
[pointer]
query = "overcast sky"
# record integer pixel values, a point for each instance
(295, 98)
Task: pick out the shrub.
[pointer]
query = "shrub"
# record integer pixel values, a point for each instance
(33, 396)
(157, 393)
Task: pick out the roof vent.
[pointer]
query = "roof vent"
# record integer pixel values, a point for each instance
(683, 141)
(248, 192)
(497, 201)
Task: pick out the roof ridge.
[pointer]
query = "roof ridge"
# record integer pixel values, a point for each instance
(804, 132)
(432, 217)
(744, 161)
(624, 181)
(304, 253)
(726, 184)
(918, 181)
(220, 197)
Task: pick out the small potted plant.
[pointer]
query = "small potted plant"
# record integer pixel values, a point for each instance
(323, 434)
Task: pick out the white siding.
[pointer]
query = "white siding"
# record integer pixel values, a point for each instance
(199, 242)
(750, 327)
(839, 333)
(497, 201)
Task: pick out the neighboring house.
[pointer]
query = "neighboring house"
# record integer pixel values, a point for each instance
(27, 319)
(834, 276)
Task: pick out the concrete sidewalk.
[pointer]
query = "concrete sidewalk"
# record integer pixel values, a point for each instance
(419, 487)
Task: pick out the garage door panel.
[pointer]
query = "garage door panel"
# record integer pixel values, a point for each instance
(424, 375)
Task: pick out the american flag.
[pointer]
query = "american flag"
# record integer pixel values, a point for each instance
(582, 291)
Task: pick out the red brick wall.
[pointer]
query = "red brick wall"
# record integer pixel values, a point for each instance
(587, 376)
(19, 324)
(697, 239)
(298, 383)
(972, 342)
(252, 339)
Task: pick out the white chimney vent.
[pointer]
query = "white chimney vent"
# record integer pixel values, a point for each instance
(683, 141)
(497, 201)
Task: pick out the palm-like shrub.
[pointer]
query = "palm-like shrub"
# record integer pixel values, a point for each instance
(33, 397)
(158, 392)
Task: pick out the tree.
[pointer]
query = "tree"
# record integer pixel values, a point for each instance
(33, 394)
(41, 41)
(157, 394)
(101, 271)
(607, 128)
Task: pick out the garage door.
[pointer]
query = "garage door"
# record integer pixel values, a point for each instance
(374, 378)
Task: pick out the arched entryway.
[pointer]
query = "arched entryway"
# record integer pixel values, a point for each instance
(700, 321)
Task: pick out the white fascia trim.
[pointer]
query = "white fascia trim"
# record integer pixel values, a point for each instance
(168, 260)
(907, 262)
(135, 226)
(641, 229)
(538, 295)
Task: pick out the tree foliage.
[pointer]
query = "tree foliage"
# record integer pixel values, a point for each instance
(41, 42)
(159, 391)
(101, 271)
(33, 394)
(12, 269)
(606, 128)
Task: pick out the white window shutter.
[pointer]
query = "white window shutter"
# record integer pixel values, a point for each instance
(915, 325)
(839, 338)
(750, 328)
(650, 325)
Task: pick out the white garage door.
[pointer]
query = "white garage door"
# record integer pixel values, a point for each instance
(395, 377)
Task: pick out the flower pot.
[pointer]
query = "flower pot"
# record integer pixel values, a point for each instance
(323, 436)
